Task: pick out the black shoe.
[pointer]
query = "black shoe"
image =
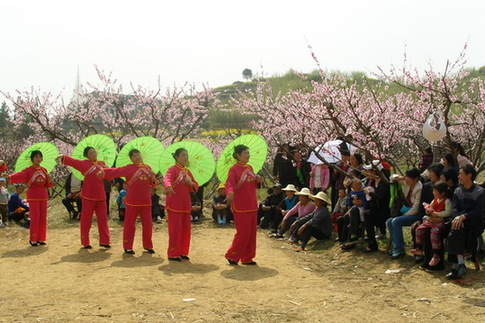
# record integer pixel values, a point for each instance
(105, 245)
(33, 244)
(344, 247)
(129, 251)
(175, 259)
(150, 250)
(183, 257)
(251, 263)
(87, 247)
(232, 262)
(74, 215)
(457, 273)
(395, 256)
(434, 268)
(418, 259)
(41, 243)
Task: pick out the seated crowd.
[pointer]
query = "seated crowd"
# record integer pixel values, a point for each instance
(441, 203)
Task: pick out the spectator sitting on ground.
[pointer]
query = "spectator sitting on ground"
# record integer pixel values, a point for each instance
(409, 213)
(4, 197)
(467, 210)
(18, 210)
(287, 204)
(434, 173)
(302, 208)
(450, 177)
(72, 187)
(221, 210)
(317, 224)
(358, 205)
(196, 209)
(120, 200)
(158, 211)
(268, 208)
(437, 211)
(340, 208)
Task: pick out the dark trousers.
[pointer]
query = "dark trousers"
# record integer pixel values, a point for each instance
(463, 239)
(311, 232)
(68, 204)
(288, 224)
(278, 217)
(375, 218)
(266, 217)
(348, 224)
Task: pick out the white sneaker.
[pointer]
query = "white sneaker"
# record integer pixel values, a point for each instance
(159, 219)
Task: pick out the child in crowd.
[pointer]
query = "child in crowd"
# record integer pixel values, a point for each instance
(437, 211)
(221, 210)
(4, 197)
(120, 199)
(340, 208)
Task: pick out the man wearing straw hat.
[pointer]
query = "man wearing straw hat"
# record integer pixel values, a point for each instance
(317, 224)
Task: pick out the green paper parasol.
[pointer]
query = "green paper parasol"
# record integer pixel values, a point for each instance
(201, 161)
(104, 146)
(258, 149)
(49, 153)
(150, 149)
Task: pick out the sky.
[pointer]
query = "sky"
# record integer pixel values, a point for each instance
(43, 43)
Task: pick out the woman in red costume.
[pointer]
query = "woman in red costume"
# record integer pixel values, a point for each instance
(139, 178)
(241, 187)
(37, 179)
(92, 194)
(178, 183)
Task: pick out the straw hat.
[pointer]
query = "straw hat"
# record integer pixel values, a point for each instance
(290, 187)
(304, 191)
(321, 196)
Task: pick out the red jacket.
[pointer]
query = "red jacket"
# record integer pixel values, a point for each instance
(93, 186)
(241, 181)
(139, 178)
(179, 201)
(36, 179)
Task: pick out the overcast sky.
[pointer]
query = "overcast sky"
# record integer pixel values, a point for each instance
(42, 43)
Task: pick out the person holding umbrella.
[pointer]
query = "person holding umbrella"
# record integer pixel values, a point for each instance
(93, 195)
(139, 179)
(179, 183)
(37, 179)
(241, 187)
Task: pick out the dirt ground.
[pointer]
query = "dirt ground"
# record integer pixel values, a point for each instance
(61, 282)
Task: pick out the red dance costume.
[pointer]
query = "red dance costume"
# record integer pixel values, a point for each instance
(93, 198)
(37, 180)
(137, 201)
(178, 207)
(242, 182)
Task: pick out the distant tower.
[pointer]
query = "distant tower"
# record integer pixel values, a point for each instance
(76, 98)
